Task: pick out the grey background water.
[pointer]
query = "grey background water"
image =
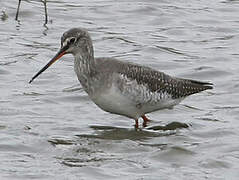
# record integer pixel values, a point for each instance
(51, 130)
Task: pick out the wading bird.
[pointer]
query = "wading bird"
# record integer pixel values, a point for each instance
(120, 87)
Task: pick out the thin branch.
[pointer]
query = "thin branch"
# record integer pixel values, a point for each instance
(46, 16)
(18, 7)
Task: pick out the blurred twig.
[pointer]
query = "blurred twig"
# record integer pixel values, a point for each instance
(46, 16)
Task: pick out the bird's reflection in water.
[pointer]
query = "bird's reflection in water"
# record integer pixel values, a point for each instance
(170, 126)
(118, 133)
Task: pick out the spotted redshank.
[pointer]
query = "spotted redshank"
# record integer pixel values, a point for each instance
(120, 87)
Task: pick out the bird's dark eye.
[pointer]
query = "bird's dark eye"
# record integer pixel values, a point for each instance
(72, 40)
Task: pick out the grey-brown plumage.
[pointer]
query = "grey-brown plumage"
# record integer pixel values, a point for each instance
(156, 81)
(120, 87)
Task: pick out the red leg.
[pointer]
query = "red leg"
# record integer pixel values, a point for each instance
(146, 120)
(136, 124)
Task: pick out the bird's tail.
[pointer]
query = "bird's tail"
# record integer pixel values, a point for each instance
(204, 85)
(188, 86)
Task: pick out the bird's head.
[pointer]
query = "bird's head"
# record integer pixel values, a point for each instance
(74, 41)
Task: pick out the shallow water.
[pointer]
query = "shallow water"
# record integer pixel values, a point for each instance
(51, 130)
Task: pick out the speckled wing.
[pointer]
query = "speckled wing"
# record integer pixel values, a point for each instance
(156, 82)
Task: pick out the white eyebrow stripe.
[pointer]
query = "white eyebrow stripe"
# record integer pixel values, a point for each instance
(67, 40)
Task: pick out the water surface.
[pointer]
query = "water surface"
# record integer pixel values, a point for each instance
(51, 130)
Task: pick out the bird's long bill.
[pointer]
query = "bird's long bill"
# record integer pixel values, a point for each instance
(60, 53)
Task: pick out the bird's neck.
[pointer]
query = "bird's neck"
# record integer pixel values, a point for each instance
(85, 68)
(84, 60)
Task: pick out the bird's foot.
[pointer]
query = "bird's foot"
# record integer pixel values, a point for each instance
(145, 123)
(146, 120)
(136, 124)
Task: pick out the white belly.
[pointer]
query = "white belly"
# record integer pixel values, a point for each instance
(115, 102)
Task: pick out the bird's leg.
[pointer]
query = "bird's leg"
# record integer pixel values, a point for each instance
(146, 120)
(136, 124)
(46, 19)
(18, 7)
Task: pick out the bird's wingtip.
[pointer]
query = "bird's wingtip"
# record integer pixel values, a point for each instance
(208, 85)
